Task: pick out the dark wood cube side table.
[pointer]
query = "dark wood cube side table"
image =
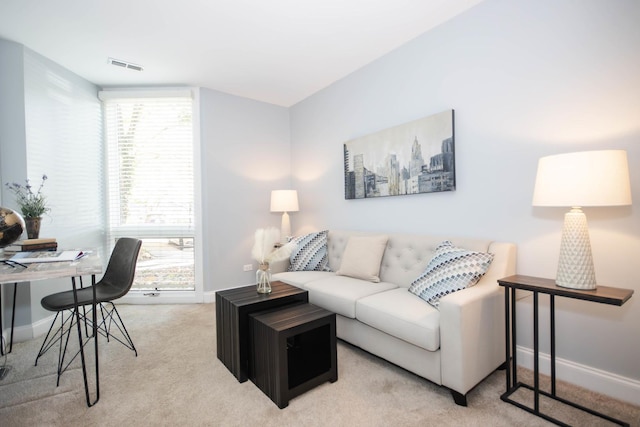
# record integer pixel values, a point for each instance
(294, 350)
(233, 307)
(537, 285)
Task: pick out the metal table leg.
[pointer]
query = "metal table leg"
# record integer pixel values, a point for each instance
(95, 340)
(13, 318)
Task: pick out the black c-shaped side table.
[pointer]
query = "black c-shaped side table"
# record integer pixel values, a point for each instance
(537, 285)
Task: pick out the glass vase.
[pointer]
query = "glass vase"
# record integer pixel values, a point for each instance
(263, 278)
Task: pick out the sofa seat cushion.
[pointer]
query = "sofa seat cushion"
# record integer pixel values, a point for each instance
(340, 293)
(301, 278)
(402, 314)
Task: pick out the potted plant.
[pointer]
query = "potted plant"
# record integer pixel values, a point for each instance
(32, 205)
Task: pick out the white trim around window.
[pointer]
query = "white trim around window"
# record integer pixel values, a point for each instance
(170, 297)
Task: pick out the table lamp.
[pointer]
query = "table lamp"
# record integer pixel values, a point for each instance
(589, 178)
(284, 201)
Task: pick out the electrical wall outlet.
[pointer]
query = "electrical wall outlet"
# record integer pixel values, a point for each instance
(247, 267)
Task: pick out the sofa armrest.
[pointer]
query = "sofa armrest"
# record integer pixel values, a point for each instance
(472, 336)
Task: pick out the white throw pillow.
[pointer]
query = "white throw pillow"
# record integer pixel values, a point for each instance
(362, 256)
(451, 269)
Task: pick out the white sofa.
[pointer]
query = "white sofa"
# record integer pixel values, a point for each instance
(455, 345)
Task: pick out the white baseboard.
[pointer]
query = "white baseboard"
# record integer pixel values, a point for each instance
(613, 385)
(169, 298)
(42, 326)
(27, 332)
(209, 297)
(163, 297)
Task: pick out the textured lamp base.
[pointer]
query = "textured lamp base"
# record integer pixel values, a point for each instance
(575, 267)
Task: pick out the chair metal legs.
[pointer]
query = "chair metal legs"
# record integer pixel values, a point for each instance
(104, 328)
(61, 335)
(81, 344)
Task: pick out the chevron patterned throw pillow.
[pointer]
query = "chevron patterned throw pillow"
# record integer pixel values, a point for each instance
(451, 269)
(310, 253)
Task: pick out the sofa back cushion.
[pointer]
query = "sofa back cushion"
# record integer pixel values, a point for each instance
(405, 256)
(362, 257)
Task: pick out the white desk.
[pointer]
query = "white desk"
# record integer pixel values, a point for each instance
(90, 264)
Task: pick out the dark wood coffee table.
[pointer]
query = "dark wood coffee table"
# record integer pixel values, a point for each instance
(233, 307)
(294, 350)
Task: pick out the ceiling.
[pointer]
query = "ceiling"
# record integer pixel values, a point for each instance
(277, 51)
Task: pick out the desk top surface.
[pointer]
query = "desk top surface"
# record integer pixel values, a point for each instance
(87, 265)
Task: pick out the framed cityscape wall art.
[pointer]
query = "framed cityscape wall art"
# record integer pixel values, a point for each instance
(413, 158)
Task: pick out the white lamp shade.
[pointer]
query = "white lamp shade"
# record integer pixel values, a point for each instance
(588, 178)
(284, 201)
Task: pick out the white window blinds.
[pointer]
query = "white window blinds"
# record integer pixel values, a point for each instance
(150, 162)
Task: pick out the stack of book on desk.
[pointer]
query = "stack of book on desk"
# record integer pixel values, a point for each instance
(31, 245)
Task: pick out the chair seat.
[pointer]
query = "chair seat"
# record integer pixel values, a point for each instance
(64, 300)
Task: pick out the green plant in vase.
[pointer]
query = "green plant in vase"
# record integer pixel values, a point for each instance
(32, 204)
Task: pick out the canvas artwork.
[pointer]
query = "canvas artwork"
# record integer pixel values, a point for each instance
(416, 157)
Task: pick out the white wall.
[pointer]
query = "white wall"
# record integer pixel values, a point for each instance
(50, 123)
(63, 122)
(12, 113)
(526, 79)
(245, 155)
(13, 151)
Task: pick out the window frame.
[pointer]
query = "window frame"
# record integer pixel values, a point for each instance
(136, 296)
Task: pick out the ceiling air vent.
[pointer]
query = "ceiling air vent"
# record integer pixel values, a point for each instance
(125, 64)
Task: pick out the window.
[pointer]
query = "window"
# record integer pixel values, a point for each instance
(151, 168)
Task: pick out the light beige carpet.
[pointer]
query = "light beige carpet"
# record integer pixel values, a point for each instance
(178, 380)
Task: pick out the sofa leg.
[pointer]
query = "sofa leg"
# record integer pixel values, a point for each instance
(460, 399)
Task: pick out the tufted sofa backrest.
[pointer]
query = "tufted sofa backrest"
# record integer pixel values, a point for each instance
(405, 256)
